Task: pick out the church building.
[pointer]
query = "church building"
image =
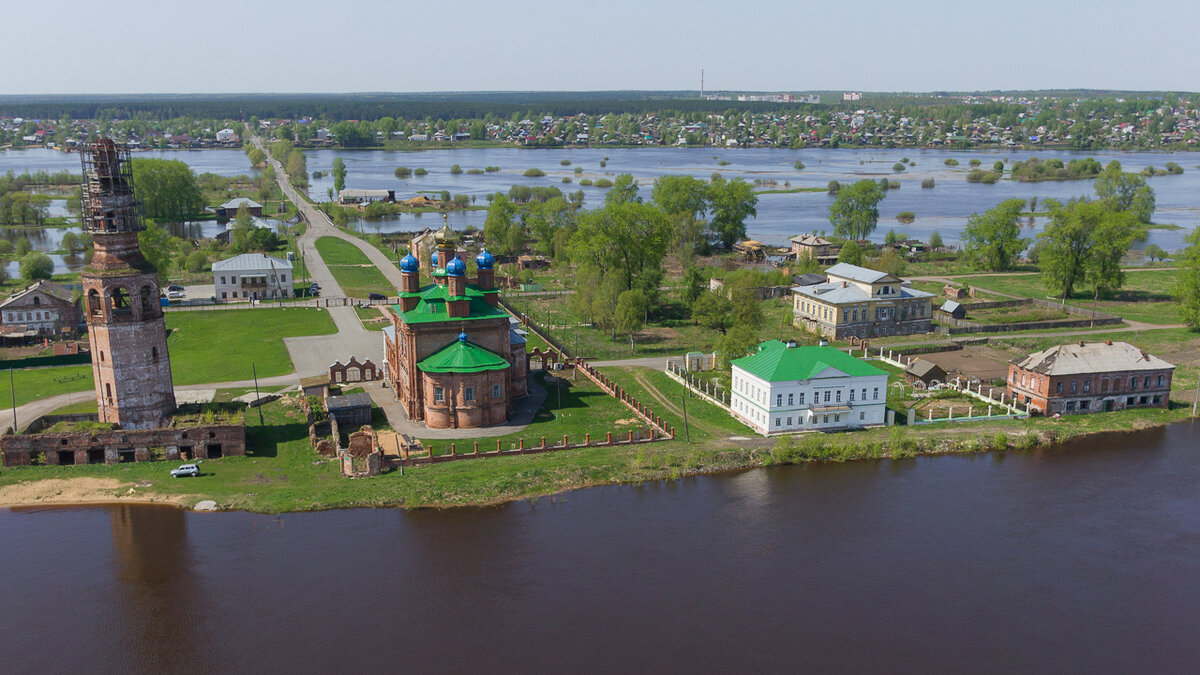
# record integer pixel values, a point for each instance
(452, 357)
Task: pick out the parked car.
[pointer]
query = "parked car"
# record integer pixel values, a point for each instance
(186, 470)
(376, 296)
(175, 295)
(174, 288)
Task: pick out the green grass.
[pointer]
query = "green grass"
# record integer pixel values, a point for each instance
(336, 251)
(584, 409)
(32, 384)
(220, 346)
(782, 191)
(282, 473)
(705, 420)
(87, 405)
(358, 282)
(1146, 296)
(367, 314)
(1008, 315)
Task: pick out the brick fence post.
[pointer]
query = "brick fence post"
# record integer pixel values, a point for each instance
(543, 442)
(452, 451)
(565, 440)
(630, 436)
(498, 445)
(522, 444)
(476, 448)
(587, 439)
(608, 437)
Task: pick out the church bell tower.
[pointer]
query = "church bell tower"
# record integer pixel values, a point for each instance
(130, 365)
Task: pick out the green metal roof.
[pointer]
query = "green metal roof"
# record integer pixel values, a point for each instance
(776, 362)
(431, 307)
(462, 356)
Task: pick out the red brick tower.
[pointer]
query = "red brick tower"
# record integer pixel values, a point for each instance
(130, 364)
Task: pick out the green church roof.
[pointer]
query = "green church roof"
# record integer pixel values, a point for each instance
(776, 362)
(431, 307)
(462, 356)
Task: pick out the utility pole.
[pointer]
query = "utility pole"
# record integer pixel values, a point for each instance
(257, 396)
(686, 431)
(12, 391)
(1194, 403)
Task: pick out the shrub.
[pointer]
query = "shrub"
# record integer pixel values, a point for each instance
(799, 166)
(927, 183)
(474, 172)
(906, 216)
(951, 162)
(533, 173)
(403, 172)
(1174, 169)
(723, 162)
(833, 187)
(998, 166)
(456, 169)
(586, 181)
(565, 162)
(318, 174)
(602, 183)
(981, 176)
(578, 170)
(898, 166)
(904, 159)
(566, 179)
(491, 169)
(974, 162)
(421, 172)
(604, 162)
(36, 265)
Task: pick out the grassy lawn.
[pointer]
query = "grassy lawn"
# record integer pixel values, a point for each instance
(282, 473)
(219, 346)
(1006, 315)
(372, 318)
(665, 396)
(32, 384)
(359, 281)
(584, 409)
(336, 251)
(1146, 296)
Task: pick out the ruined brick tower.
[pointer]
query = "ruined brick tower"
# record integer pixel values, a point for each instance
(130, 364)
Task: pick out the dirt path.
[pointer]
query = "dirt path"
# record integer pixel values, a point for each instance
(73, 491)
(675, 409)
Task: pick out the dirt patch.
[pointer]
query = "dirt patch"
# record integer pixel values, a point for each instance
(627, 422)
(978, 361)
(78, 491)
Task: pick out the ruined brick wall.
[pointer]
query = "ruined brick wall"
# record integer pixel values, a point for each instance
(110, 447)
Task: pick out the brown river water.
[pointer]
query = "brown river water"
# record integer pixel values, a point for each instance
(1084, 558)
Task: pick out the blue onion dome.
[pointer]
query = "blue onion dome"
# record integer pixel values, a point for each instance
(433, 259)
(456, 267)
(485, 260)
(462, 337)
(409, 263)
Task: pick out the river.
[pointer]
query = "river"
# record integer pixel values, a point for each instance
(944, 208)
(1082, 558)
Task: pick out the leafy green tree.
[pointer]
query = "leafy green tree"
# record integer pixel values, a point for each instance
(935, 240)
(499, 225)
(1126, 192)
(156, 243)
(630, 316)
(694, 284)
(1083, 244)
(737, 342)
(1155, 252)
(70, 243)
(196, 261)
(36, 265)
(993, 239)
(167, 189)
(851, 253)
(891, 237)
(339, 174)
(1187, 283)
(747, 310)
(627, 239)
(855, 212)
(23, 247)
(604, 303)
(624, 189)
(713, 311)
(892, 262)
(731, 203)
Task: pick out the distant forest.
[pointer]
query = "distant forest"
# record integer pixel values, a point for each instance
(449, 105)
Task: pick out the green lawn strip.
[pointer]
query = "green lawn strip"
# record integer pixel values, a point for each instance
(220, 346)
(32, 384)
(360, 281)
(705, 419)
(87, 405)
(1146, 296)
(582, 408)
(282, 473)
(368, 315)
(336, 251)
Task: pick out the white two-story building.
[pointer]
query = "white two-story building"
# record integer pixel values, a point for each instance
(252, 276)
(784, 388)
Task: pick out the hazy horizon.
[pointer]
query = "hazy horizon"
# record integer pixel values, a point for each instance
(359, 46)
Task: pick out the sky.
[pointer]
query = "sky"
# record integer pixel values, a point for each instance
(219, 46)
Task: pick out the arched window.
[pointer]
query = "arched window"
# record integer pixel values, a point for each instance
(120, 301)
(36, 301)
(95, 306)
(101, 357)
(108, 392)
(154, 353)
(145, 298)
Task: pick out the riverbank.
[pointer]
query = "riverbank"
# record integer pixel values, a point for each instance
(282, 474)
